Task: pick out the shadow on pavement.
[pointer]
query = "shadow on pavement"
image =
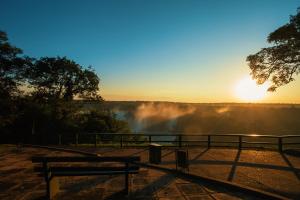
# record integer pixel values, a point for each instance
(293, 169)
(233, 168)
(292, 152)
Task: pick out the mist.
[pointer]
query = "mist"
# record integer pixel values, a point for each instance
(159, 116)
(166, 117)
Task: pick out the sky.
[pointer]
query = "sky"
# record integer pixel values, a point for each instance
(167, 50)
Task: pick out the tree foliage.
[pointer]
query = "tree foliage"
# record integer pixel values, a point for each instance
(280, 62)
(12, 67)
(102, 121)
(61, 78)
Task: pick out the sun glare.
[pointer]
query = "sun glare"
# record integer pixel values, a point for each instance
(247, 90)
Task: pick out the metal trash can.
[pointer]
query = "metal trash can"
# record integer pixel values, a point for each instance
(155, 153)
(182, 159)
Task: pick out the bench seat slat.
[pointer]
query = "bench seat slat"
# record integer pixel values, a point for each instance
(87, 173)
(86, 168)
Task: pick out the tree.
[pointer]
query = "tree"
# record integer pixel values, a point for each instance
(280, 62)
(61, 78)
(12, 67)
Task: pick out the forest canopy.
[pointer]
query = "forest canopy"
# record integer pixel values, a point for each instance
(37, 98)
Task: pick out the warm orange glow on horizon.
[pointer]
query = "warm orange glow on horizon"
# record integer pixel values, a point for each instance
(228, 89)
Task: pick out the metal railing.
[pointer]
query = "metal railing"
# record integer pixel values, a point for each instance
(181, 140)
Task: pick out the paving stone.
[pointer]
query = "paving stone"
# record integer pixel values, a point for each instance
(6, 196)
(156, 173)
(191, 189)
(143, 172)
(94, 193)
(142, 198)
(179, 180)
(223, 196)
(115, 184)
(172, 198)
(168, 191)
(35, 195)
(146, 191)
(200, 197)
(27, 185)
(140, 181)
(5, 186)
(9, 172)
(214, 188)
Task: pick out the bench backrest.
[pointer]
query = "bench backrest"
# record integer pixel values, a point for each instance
(48, 159)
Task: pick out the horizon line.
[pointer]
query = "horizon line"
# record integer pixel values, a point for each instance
(161, 101)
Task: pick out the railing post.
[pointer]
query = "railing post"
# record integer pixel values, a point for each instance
(96, 139)
(121, 141)
(76, 139)
(127, 179)
(280, 144)
(240, 142)
(46, 176)
(59, 139)
(179, 141)
(208, 141)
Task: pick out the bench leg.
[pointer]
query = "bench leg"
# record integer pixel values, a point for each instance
(53, 187)
(48, 189)
(127, 183)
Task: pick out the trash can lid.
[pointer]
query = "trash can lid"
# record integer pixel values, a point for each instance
(154, 144)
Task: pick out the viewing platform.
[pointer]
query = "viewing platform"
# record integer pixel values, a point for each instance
(270, 171)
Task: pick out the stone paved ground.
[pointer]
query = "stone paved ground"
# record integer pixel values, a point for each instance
(270, 171)
(17, 181)
(148, 184)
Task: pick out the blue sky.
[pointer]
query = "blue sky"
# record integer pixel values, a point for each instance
(191, 51)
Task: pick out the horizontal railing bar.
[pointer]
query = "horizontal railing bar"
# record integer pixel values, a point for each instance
(188, 135)
(260, 143)
(287, 143)
(220, 142)
(193, 141)
(174, 141)
(290, 136)
(180, 140)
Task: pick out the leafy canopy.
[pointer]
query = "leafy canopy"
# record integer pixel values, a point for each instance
(61, 78)
(280, 62)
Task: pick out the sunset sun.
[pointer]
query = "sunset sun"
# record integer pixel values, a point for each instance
(247, 90)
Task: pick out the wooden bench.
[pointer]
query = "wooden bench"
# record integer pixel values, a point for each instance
(50, 172)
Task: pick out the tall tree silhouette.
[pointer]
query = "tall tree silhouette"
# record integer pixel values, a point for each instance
(12, 67)
(280, 62)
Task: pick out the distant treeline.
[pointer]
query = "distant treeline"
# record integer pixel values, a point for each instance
(38, 98)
